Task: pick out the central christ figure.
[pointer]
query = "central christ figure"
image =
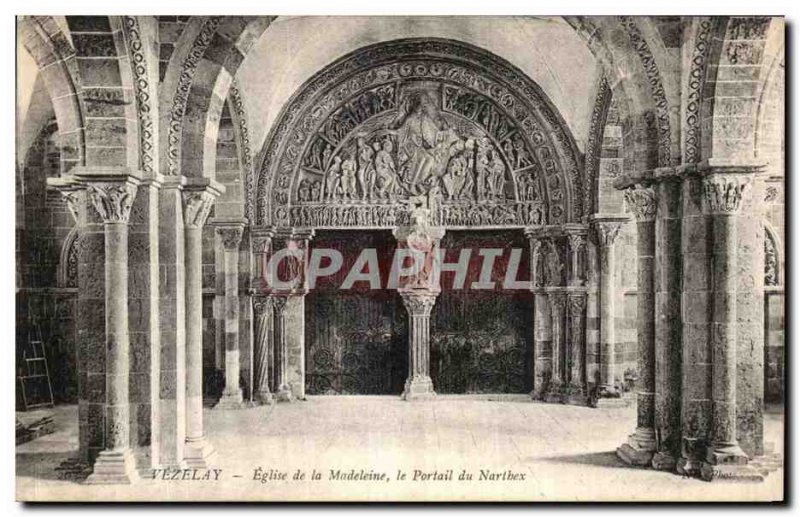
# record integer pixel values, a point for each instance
(425, 143)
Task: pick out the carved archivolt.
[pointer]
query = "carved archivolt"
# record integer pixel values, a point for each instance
(141, 82)
(245, 153)
(419, 118)
(181, 97)
(656, 89)
(697, 73)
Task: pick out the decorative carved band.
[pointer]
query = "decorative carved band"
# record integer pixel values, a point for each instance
(112, 201)
(697, 74)
(642, 202)
(181, 97)
(653, 77)
(141, 81)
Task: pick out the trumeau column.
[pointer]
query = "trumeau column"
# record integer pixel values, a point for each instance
(606, 229)
(112, 193)
(641, 445)
(419, 297)
(230, 233)
(723, 190)
(198, 196)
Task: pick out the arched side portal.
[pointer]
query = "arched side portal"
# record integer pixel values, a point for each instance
(430, 117)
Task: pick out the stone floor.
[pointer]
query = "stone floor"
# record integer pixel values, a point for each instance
(565, 453)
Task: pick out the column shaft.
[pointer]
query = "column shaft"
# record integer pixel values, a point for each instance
(668, 325)
(419, 303)
(639, 448)
(264, 337)
(231, 237)
(198, 199)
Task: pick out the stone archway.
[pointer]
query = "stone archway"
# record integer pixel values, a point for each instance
(425, 136)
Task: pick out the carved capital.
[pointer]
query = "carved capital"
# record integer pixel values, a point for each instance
(576, 241)
(607, 231)
(557, 302)
(576, 305)
(75, 202)
(279, 304)
(419, 302)
(262, 304)
(231, 237)
(642, 202)
(112, 201)
(723, 192)
(196, 207)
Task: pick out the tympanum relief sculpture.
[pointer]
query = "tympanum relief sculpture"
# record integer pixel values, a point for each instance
(407, 139)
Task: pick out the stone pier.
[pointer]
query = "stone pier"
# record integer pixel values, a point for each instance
(230, 233)
(606, 229)
(641, 445)
(198, 197)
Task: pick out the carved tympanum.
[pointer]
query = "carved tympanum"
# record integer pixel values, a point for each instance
(415, 118)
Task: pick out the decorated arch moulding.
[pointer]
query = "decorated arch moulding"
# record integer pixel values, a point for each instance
(427, 124)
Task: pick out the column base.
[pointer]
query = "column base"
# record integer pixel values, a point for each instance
(575, 395)
(689, 467)
(114, 468)
(263, 397)
(418, 388)
(198, 453)
(231, 401)
(639, 448)
(665, 461)
(556, 394)
(284, 394)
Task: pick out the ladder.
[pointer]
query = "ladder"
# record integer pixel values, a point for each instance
(35, 386)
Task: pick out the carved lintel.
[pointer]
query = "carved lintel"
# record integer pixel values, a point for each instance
(112, 200)
(642, 202)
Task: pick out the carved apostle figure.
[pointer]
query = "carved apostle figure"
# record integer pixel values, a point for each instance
(366, 169)
(349, 178)
(385, 169)
(333, 179)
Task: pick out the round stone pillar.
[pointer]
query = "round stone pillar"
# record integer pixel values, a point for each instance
(723, 196)
(607, 229)
(230, 233)
(112, 198)
(198, 199)
(418, 303)
(641, 445)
